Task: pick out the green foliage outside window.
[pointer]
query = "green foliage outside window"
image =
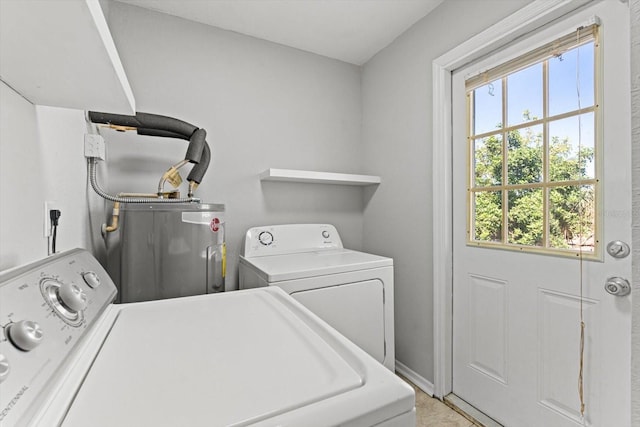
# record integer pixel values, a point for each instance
(571, 208)
(532, 128)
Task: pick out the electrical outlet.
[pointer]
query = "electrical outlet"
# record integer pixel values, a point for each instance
(48, 206)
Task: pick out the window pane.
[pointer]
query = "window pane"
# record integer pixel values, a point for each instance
(572, 217)
(487, 108)
(536, 188)
(571, 148)
(524, 156)
(525, 219)
(524, 95)
(564, 73)
(487, 216)
(488, 161)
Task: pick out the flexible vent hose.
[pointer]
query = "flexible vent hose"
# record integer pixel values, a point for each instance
(96, 187)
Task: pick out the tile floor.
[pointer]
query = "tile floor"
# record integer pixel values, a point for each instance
(432, 412)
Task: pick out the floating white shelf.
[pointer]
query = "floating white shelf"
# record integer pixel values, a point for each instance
(61, 54)
(291, 175)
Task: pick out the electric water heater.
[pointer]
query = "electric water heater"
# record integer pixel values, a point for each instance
(170, 250)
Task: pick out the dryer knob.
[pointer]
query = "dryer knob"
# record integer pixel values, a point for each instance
(265, 238)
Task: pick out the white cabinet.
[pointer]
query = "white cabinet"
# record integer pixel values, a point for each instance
(60, 53)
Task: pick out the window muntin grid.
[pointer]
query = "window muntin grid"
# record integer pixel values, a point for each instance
(534, 184)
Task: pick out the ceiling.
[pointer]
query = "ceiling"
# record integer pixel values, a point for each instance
(349, 30)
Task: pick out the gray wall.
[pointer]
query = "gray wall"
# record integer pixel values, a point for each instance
(397, 112)
(18, 143)
(263, 105)
(41, 159)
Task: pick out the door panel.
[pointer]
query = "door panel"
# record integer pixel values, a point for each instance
(557, 365)
(488, 326)
(516, 316)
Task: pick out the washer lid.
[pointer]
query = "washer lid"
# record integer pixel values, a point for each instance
(277, 268)
(229, 359)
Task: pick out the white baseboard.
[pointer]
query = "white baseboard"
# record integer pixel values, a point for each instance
(422, 383)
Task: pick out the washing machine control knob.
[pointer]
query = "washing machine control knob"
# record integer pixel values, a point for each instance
(265, 238)
(91, 279)
(5, 368)
(72, 297)
(25, 334)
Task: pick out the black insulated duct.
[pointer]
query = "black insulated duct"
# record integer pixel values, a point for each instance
(198, 151)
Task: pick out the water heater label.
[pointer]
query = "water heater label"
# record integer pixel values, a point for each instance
(204, 218)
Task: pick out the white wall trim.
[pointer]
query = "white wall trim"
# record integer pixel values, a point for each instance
(634, 6)
(421, 382)
(533, 16)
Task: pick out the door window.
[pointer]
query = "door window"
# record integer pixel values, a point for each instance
(533, 180)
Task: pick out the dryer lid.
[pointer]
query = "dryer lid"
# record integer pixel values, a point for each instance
(278, 268)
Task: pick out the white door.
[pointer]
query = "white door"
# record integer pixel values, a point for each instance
(517, 314)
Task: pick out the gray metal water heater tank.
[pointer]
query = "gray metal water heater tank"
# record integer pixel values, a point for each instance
(171, 250)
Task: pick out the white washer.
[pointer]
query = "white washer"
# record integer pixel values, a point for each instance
(350, 290)
(68, 357)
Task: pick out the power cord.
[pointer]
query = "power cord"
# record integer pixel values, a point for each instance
(54, 215)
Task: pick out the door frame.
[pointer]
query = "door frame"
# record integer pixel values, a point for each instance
(534, 15)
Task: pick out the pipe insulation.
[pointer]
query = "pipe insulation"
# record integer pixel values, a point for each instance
(144, 120)
(198, 170)
(96, 187)
(196, 145)
(198, 151)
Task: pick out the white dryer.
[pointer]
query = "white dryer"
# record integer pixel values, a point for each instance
(350, 290)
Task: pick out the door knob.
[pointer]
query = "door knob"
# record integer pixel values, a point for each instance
(617, 286)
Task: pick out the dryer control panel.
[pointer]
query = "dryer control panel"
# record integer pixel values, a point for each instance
(289, 238)
(47, 308)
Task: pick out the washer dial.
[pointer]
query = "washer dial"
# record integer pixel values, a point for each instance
(72, 297)
(5, 368)
(25, 334)
(67, 300)
(91, 279)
